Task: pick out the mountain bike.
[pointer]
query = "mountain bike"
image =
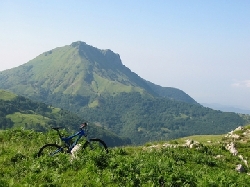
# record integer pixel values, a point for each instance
(69, 145)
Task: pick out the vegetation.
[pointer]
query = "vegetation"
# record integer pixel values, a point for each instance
(4, 95)
(144, 119)
(21, 112)
(123, 166)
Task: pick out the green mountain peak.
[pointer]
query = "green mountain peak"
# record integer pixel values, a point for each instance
(74, 69)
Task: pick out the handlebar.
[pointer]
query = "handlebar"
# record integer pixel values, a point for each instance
(82, 126)
(85, 124)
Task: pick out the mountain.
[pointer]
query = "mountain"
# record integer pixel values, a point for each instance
(77, 69)
(95, 85)
(18, 111)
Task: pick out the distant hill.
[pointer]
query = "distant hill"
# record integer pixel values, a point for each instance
(17, 111)
(144, 119)
(95, 85)
(226, 108)
(172, 93)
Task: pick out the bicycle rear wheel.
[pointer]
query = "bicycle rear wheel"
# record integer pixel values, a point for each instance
(96, 145)
(50, 150)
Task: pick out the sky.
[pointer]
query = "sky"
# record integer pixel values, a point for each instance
(200, 47)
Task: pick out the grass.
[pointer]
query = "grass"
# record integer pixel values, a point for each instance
(204, 139)
(105, 85)
(123, 166)
(21, 119)
(7, 96)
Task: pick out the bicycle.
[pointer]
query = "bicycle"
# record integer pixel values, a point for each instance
(69, 144)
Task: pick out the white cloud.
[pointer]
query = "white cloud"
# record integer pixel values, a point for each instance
(244, 83)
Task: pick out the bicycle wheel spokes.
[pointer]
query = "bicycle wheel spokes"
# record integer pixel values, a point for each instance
(96, 145)
(50, 150)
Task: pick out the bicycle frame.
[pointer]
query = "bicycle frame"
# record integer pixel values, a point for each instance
(67, 140)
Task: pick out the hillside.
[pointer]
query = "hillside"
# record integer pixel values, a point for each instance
(19, 112)
(175, 163)
(95, 85)
(144, 119)
(76, 69)
(172, 93)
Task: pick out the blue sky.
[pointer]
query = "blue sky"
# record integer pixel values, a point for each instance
(200, 47)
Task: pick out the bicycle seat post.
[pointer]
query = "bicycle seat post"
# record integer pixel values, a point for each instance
(57, 129)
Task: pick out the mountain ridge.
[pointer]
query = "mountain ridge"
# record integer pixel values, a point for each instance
(119, 77)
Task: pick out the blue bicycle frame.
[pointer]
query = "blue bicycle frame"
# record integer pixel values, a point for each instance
(68, 139)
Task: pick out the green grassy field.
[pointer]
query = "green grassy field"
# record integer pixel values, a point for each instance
(204, 139)
(123, 166)
(21, 119)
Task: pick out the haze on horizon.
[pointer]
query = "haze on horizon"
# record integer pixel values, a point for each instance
(200, 47)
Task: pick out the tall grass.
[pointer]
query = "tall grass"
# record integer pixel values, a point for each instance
(123, 166)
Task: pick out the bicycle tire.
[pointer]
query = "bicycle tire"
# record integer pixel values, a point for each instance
(96, 143)
(50, 150)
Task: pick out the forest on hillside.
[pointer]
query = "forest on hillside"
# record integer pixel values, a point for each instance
(133, 116)
(144, 118)
(21, 112)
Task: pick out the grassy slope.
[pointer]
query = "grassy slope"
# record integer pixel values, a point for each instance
(7, 96)
(64, 70)
(125, 166)
(21, 119)
(204, 139)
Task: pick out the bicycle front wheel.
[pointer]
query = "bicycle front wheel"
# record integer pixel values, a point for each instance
(96, 145)
(50, 150)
